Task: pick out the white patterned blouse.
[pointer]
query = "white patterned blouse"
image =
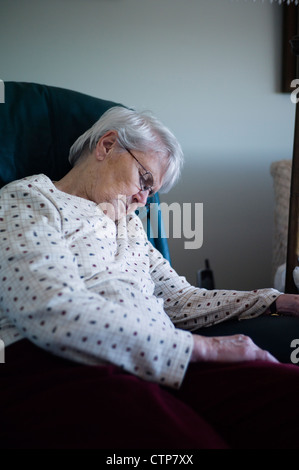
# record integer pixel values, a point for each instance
(88, 289)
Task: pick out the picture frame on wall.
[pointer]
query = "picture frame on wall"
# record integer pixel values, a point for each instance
(290, 28)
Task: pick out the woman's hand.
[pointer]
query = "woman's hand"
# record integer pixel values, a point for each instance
(236, 348)
(288, 304)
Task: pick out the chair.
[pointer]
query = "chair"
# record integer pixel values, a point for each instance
(38, 125)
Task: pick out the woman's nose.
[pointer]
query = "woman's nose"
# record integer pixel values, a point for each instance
(141, 197)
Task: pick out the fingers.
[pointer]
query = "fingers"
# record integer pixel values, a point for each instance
(288, 304)
(266, 356)
(236, 348)
(250, 351)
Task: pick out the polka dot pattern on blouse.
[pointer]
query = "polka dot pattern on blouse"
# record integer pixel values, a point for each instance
(87, 289)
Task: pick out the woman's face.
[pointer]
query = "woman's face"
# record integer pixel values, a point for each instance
(118, 190)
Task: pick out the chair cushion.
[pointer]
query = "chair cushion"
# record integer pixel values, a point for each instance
(38, 125)
(32, 140)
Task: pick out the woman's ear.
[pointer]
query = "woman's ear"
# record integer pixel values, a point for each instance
(105, 144)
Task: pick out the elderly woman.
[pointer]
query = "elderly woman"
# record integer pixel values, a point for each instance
(80, 280)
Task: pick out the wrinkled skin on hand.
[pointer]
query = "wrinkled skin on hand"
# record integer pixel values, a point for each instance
(288, 304)
(235, 348)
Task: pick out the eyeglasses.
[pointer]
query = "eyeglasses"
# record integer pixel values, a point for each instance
(146, 179)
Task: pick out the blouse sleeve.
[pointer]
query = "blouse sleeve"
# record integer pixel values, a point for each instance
(47, 301)
(192, 308)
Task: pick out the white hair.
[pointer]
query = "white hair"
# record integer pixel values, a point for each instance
(136, 131)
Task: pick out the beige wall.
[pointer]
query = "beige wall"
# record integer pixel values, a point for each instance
(210, 70)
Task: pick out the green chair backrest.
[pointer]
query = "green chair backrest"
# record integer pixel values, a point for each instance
(38, 125)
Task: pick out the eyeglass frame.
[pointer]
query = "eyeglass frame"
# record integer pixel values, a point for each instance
(147, 172)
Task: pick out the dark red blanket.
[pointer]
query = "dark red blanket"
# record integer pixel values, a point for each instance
(46, 402)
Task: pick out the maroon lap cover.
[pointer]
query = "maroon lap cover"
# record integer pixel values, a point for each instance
(49, 403)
